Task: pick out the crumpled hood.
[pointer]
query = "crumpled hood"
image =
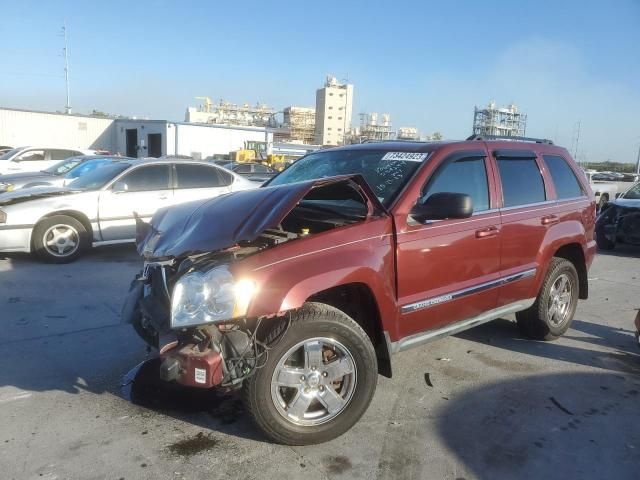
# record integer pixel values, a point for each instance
(221, 222)
(26, 194)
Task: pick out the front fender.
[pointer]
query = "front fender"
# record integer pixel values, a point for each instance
(293, 277)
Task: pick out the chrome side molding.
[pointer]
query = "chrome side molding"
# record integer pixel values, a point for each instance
(451, 329)
(429, 302)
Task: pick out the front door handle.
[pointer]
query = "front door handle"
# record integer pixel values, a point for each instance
(550, 220)
(491, 231)
(162, 196)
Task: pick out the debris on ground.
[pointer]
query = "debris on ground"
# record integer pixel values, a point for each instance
(427, 379)
(557, 404)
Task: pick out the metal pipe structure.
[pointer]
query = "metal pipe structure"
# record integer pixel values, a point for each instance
(67, 108)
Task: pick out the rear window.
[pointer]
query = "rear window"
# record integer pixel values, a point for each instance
(522, 182)
(198, 176)
(565, 181)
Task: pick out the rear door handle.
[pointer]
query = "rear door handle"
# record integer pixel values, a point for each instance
(163, 196)
(491, 231)
(550, 220)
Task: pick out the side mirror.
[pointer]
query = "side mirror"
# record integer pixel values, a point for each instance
(618, 195)
(443, 205)
(119, 187)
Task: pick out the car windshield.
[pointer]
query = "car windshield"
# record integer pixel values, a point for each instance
(9, 154)
(99, 177)
(64, 166)
(385, 172)
(633, 193)
(86, 167)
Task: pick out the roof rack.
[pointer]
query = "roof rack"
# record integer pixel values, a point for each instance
(476, 136)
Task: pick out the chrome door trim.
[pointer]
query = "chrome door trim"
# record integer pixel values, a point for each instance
(453, 328)
(430, 302)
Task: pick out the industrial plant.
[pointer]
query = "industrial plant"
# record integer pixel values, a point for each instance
(503, 121)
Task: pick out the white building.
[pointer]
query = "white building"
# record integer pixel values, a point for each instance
(131, 137)
(334, 105)
(154, 138)
(26, 127)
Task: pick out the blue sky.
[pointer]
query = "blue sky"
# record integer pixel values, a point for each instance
(426, 63)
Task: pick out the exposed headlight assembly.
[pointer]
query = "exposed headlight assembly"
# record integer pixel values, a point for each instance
(6, 187)
(209, 297)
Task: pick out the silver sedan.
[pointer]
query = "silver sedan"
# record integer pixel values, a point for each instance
(98, 208)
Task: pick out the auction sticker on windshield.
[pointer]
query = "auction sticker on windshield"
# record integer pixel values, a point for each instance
(406, 156)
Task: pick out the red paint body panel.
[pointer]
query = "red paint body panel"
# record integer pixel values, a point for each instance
(403, 262)
(190, 357)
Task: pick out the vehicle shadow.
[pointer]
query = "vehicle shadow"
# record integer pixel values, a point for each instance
(622, 354)
(121, 253)
(567, 425)
(207, 408)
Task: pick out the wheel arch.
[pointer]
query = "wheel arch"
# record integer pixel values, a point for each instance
(79, 216)
(575, 254)
(359, 302)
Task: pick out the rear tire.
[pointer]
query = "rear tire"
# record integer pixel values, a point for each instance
(59, 239)
(317, 381)
(552, 313)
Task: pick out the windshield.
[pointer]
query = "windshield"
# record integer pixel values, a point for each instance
(633, 193)
(384, 171)
(9, 154)
(86, 167)
(64, 166)
(99, 177)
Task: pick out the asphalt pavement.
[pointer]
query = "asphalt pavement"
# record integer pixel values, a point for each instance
(79, 396)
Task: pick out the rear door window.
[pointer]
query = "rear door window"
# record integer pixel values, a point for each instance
(31, 156)
(522, 182)
(565, 181)
(153, 177)
(466, 175)
(198, 176)
(62, 154)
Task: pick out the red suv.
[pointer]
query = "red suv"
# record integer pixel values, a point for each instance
(298, 293)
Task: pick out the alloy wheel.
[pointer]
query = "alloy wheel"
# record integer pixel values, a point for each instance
(61, 240)
(314, 381)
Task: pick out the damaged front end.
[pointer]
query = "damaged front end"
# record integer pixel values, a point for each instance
(188, 304)
(619, 222)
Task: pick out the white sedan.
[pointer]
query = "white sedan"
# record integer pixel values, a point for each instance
(98, 208)
(36, 159)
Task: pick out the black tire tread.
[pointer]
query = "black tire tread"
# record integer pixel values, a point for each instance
(310, 313)
(531, 321)
(38, 231)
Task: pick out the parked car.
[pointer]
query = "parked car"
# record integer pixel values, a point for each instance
(35, 159)
(58, 175)
(630, 177)
(602, 191)
(619, 220)
(256, 172)
(299, 292)
(98, 208)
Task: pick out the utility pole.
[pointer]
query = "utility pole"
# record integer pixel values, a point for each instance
(638, 161)
(67, 108)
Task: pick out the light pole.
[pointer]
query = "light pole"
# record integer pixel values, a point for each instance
(66, 66)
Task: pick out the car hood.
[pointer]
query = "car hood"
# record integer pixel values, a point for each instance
(23, 177)
(221, 222)
(627, 202)
(26, 194)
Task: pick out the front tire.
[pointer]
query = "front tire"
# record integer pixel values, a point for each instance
(317, 381)
(552, 313)
(59, 239)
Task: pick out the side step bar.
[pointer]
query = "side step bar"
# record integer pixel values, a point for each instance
(451, 329)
